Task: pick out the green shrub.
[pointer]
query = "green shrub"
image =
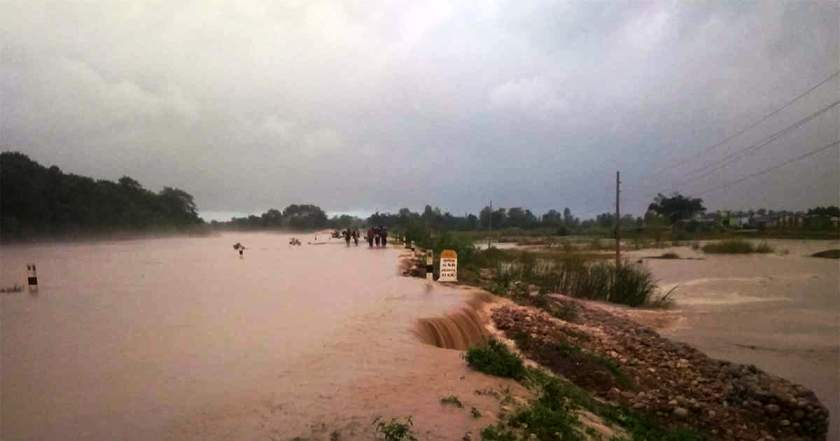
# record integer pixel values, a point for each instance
(763, 247)
(633, 285)
(396, 429)
(827, 254)
(736, 246)
(460, 243)
(494, 358)
(550, 416)
(451, 400)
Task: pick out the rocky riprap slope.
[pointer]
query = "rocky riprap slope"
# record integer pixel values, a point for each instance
(621, 361)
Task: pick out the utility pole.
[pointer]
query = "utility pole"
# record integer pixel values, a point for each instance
(490, 225)
(617, 221)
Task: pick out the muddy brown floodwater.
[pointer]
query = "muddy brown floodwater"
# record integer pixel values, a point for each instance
(180, 339)
(780, 312)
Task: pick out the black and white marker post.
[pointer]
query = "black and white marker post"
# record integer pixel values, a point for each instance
(430, 266)
(32, 277)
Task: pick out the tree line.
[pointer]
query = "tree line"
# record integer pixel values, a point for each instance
(293, 217)
(36, 200)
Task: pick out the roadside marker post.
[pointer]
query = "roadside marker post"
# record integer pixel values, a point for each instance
(32, 277)
(430, 266)
(448, 266)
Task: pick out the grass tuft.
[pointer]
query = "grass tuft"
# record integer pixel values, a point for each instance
(828, 254)
(736, 246)
(395, 429)
(452, 400)
(495, 358)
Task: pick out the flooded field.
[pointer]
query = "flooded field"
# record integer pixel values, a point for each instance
(180, 339)
(779, 311)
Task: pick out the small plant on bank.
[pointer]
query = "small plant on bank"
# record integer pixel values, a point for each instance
(551, 416)
(395, 429)
(763, 247)
(827, 254)
(633, 285)
(475, 413)
(451, 400)
(665, 300)
(736, 246)
(495, 358)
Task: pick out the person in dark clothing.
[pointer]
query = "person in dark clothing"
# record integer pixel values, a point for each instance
(347, 237)
(370, 237)
(384, 234)
(356, 237)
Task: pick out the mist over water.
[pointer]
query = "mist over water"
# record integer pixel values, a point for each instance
(179, 338)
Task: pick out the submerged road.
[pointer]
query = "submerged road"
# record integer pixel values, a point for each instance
(179, 338)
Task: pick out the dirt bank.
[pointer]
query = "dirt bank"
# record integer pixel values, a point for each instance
(778, 311)
(622, 361)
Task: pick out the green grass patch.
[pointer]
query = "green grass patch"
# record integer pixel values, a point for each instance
(573, 274)
(494, 358)
(736, 246)
(638, 427)
(395, 429)
(551, 416)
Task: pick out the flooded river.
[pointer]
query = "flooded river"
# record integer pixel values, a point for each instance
(779, 311)
(180, 339)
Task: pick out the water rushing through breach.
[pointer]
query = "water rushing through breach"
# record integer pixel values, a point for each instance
(458, 330)
(180, 339)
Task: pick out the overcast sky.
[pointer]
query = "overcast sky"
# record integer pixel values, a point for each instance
(362, 106)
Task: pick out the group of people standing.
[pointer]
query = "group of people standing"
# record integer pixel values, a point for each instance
(377, 236)
(351, 234)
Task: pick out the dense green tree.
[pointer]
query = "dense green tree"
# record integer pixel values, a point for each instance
(38, 200)
(305, 216)
(676, 207)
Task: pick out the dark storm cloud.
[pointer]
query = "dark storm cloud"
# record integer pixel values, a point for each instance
(360, 105)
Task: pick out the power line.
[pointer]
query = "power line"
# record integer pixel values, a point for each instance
(767, 170)
(750, 126)
(717, 165)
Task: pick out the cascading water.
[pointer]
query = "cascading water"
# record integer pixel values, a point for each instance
(458, 330)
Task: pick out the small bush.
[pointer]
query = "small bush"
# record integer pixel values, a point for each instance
(461, 244)
(827, 254)
(396, 429)
(551, 416)
(596, 245)
(451, 400)
(495, 358)
(736, 246)
(475, 413)
(633, 285)
(764, 248)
